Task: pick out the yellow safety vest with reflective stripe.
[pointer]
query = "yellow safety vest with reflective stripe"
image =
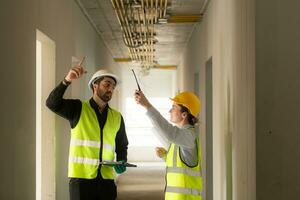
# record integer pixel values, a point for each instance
(85, 144)
(183, 182)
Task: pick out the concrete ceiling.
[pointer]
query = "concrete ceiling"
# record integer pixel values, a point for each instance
(171, 37)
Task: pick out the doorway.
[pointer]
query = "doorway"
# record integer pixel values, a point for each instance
(45, 120)
(209, 129)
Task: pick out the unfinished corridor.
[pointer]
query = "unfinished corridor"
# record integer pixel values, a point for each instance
(240, 57)
(143, 183)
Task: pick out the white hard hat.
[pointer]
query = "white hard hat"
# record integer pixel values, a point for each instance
(101, 73)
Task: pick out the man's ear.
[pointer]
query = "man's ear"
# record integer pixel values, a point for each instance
(184, 114)
(94, 87)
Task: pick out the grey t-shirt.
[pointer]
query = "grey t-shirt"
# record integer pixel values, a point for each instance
(182, 136)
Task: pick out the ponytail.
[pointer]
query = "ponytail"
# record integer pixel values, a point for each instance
(191, 119)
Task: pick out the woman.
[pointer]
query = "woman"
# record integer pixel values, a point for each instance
(183, 159)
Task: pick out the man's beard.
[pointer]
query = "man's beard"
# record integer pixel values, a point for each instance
(104, 96)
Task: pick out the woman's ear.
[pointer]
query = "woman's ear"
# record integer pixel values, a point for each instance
(184, 115)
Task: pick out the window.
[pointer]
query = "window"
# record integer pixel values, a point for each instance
(140, 130)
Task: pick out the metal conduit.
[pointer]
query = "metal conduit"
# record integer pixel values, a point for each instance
(137, 19)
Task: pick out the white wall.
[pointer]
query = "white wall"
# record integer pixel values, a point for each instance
(64, 23)
(227, 34)
(278, 97)
(17, 129)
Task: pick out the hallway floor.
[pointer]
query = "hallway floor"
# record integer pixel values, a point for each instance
(146, 182)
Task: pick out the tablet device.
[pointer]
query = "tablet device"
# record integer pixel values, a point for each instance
(112, 163)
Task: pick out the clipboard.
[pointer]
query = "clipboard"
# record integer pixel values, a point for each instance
(112, 163)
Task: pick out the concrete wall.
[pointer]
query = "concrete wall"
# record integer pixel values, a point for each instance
(63, 22)
(227, 35)
(277, 97)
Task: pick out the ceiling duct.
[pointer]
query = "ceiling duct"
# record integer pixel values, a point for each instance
(137, 19)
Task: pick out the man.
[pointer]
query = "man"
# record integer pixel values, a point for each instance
(183, 158)
(97, 133)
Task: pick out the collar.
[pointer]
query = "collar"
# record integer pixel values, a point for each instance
(187, 126)
(95, 105)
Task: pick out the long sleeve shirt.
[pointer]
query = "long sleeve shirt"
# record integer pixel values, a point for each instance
(184, 137)
(70, 109)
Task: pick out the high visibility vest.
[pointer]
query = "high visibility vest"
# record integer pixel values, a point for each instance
(86, 142)
(183, 182)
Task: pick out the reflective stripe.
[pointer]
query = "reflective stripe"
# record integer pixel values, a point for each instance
(87, 143)
(90, 143)
(184, 171)
(107, 160)
(175, 155)
(89, 161)
(184, 190)
(109, 147)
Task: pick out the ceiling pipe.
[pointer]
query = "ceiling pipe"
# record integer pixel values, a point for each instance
(137, 19)
(117, 10)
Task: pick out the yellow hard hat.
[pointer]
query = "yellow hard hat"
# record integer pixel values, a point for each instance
(188, 100)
